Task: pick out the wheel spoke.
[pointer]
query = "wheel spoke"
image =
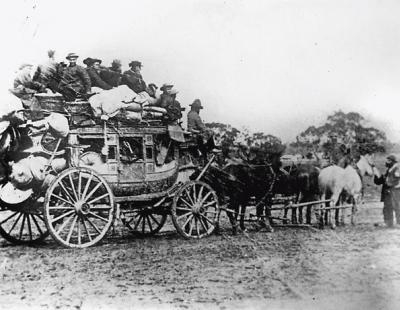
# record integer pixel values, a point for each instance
(79, 232)
(66, 192)
(138, 222)
(37, 225)
(200, 193)
(184, 201)
(98, 216)
(64, 224)
(93, 225)
(22, 227)
(203, 224)
(191, 226)
(71, 229)
(62, 216)
(73, 187)
(155, 220)
(99, 207)
(133, 218)
(86, 229)
(207, 219)
(98, 198)
(194, 193)
(143, 224)
(11, 216)
(85, 198)
(183, 215)
(184, 209)
(197, 226)
(15, 223)
(205, 197)
(28, 220)
(148, 221)
(188, 195)
(209, 204)
(188, 220)
(62, 199)
(87, 186)
(79, 184)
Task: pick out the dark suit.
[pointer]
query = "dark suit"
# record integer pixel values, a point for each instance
(390, 194)
(134, 81)
(96, 80)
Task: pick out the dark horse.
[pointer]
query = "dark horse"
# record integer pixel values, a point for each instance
(300, 181)
(238, 183)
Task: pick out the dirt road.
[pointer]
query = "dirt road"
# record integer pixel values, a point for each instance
(349, 268)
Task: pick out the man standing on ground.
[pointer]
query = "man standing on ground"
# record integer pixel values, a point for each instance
(390, 195)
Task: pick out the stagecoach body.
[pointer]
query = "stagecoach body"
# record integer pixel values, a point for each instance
(132, 172)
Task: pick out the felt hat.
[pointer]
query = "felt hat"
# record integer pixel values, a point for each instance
(135, 63)
(72, 55)
(197, 104)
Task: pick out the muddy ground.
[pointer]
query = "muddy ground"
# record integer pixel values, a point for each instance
(292, 268)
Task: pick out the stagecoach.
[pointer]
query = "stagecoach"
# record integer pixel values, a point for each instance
(137, 173)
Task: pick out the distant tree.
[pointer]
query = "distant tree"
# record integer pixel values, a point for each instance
(244, 144)
(345, 129)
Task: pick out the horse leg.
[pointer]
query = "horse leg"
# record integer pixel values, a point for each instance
(299, 200)
(232, 215)
(353, 212)
(264, 217)
(242, 216)
(334, 200)
(320, 213)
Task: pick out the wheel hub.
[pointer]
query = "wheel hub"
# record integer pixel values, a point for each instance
(197, 208)
(82, 208)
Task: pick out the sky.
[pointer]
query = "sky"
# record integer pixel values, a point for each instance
(276, 66)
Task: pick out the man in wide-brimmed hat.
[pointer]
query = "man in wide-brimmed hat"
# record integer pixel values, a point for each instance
(194, 122)
(196, 126)
(390, 195)
(75, 80)
(133, 78)
(93, 70)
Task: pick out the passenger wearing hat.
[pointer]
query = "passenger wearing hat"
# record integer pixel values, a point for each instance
(133, 78)
(194, 122)
(75, 80)
(93, 70)
(112, 75)
(196, 126)
(390, 194)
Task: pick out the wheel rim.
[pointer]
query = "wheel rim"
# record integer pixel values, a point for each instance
(195, 210)
(144, 221)
(22, 227)
(79, 208)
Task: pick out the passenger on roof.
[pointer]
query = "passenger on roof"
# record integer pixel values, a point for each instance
(133, 79)
(93, 70)
(75, 81)
(112, 75)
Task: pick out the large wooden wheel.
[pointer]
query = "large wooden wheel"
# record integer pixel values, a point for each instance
(79, 208)
(195, 210)
(144, 221)
(22, 226)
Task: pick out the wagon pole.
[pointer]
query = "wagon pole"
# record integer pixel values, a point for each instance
(205, 168)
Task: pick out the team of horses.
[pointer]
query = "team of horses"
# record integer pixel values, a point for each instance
(239, 182)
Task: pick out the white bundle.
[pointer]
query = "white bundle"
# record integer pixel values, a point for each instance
(110, 102)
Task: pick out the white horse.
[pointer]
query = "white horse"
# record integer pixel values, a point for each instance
(335, 181)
